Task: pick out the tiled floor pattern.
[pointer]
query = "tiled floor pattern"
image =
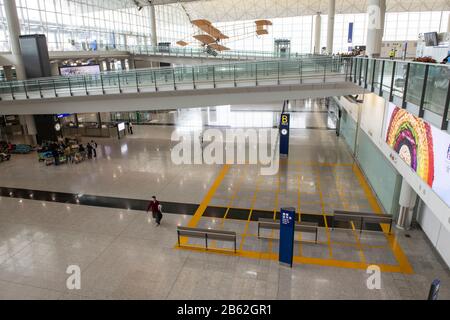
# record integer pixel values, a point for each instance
(313, 189)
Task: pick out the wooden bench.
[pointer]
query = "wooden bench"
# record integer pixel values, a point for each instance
(307, 227)
(362, 217)
(206, 234)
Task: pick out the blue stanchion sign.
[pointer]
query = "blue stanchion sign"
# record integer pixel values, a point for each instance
(287, 230)
(284, 133)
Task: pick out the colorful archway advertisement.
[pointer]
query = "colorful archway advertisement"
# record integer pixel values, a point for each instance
(425, 148)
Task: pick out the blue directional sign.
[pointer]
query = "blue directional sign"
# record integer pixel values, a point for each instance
(287, 230)
(284, 133)
(350, 32)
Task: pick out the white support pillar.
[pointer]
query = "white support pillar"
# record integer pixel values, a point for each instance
(407, 201)
(14, 33)
(123, 64)
(330, 28)
(448, 23)
(7, 71)
(55, 68)
(131, 63)
(29, 128)
(376, 10)
(317, 29)
(153, 19)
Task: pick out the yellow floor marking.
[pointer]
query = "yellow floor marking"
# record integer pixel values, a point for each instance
(343, 200)
(396, 249)
(403, 266)
(358, 243)
(322, 205)
(304, 260)
(247, 225)
(299, 212)
(206, 200)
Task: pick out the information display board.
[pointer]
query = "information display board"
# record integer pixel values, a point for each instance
(80, 70)
(284, 133)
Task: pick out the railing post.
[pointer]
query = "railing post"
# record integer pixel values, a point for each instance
(70, 87)
(101, 81)
(193, 77)
(300, 70)
(424, 89)
(366, 72)
(256, 73)
(137, 82)
(174, 82)
(234, 73)
(372, 87)
(444, 125)
(278, 72)
(118, 79)
(40, 89)
(12, 90)
(25, 89)
(154, 77)
(214, 76)
(54, 88)
(391, 93)
(85, 85)
(405, 89)
(325, 72)
(382, 77)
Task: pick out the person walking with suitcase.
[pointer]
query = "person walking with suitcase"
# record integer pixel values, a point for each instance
(156, 208)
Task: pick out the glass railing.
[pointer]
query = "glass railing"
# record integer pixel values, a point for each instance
(306, 70)
(424, 85)
(198, 52)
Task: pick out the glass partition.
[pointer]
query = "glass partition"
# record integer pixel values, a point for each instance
(387, 75)
(399, 78)
(436, 89)
(415, 83)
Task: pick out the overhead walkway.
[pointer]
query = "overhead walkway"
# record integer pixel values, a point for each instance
(162, 88)
(179, 55)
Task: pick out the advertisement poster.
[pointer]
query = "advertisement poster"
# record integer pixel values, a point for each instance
(423, 147)
(80, 70)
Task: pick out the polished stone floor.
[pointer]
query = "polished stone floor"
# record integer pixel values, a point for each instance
(122, 255)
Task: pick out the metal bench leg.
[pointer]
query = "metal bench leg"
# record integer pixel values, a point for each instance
(206, 241)
(258, 230)
(179, 242)
(317, 235)
(235, 246)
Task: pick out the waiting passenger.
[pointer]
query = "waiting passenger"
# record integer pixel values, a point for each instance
(94, 146)
(89, 150)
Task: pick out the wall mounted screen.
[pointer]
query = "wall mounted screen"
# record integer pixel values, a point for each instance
(80, 70)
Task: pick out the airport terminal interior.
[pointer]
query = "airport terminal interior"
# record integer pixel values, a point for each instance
(224, 150)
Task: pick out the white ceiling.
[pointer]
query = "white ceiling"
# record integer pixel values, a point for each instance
(237, 10)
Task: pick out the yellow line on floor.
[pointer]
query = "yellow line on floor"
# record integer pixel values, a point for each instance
(247, 225)
(206, 200)
(297, 259)
(322, 205)
(393, 243)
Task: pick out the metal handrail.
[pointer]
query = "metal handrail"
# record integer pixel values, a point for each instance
(160, 78)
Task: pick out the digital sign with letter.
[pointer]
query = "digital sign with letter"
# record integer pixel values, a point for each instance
(284, 133)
